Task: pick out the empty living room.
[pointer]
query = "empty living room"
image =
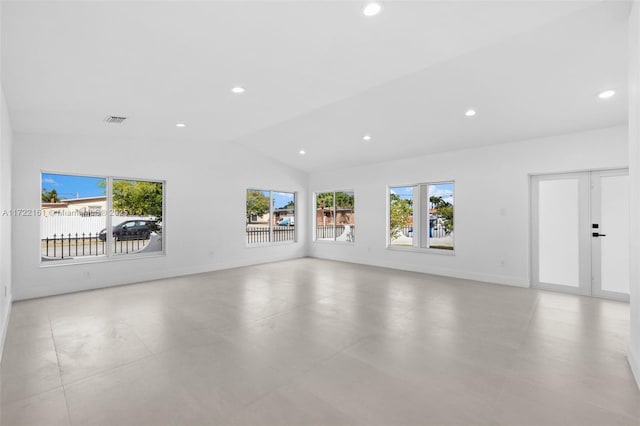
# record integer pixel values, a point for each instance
(265, 212)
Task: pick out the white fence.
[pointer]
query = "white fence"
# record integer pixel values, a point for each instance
(57, 225)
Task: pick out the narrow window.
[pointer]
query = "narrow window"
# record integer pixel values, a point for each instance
(401, 215)
(270, 216)
(335, 216)
(136, 225)
(422, 216)
(439, 230)
(73, 211)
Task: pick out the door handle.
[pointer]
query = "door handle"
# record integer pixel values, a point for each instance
(595, 234)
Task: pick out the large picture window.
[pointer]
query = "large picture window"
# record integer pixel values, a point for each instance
(270, 216)
(422, 216)
(88, 217)
(335, 216)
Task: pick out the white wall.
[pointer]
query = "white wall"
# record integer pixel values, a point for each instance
(491, 202)
(634, 173)
(5, 220)
(205, 207)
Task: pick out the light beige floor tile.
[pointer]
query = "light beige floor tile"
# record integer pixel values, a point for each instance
(160, 338)
(92, 344)
(291, 405)
(224, 376)
(311, 341)
(46, 409)
(29, 367)
(141, 393)
(525, 403)
(371, 396)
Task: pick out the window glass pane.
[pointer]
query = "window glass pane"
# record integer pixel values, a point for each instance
(345, 216)
(284, 208)
(72, 213)
(325, 216)
(439, 230)
(258, 214)
(137, 216)
(401, 215)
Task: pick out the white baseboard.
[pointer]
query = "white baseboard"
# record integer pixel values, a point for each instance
(634, 363)
(5, 327)
(34, 293)
(445, 272)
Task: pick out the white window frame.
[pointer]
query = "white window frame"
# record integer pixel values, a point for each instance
(271, 242)
(315, 213)
(421, 239)
(108, 256)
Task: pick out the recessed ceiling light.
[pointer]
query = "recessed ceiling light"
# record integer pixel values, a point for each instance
(181, 125)
(366, 137)
(238, 89)
(302, 152)
(606, 94)
(372, 9)
(470, 112)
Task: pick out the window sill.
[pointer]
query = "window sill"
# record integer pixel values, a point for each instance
(425, 250)
(330, 242)
(274, 244)
(99, 259)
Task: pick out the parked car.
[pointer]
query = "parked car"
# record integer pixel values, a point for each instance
(131, 230)
(287, 221)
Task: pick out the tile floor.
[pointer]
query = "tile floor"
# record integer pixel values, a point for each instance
(317, 342)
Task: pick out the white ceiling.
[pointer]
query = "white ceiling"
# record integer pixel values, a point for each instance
(319, 75)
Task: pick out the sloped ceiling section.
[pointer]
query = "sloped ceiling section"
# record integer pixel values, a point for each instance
(318, 75)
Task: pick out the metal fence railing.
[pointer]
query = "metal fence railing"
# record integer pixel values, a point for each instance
(261, 234)
(66, 246)
(437, 231)
(328, 232)
(64, 225)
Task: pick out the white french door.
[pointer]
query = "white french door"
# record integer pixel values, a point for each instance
(580, 233)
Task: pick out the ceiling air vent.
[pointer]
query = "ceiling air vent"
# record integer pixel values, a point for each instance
(114, 119)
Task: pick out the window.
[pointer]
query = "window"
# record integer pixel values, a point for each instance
(401, 215)
(138, 216)
(76, 211)
(335, 216)
(422, 216)
(270, 216)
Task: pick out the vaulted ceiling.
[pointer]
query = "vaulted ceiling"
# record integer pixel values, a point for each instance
(319, 75)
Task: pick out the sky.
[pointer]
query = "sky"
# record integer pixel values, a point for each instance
(444, 190)
(68, 186)
(280, 199)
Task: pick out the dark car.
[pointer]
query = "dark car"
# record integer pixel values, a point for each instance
(131, 230)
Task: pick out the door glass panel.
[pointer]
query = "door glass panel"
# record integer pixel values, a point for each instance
(615, 225)
(558, 232)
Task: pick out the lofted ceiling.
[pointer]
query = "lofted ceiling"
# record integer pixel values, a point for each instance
(318, 75)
